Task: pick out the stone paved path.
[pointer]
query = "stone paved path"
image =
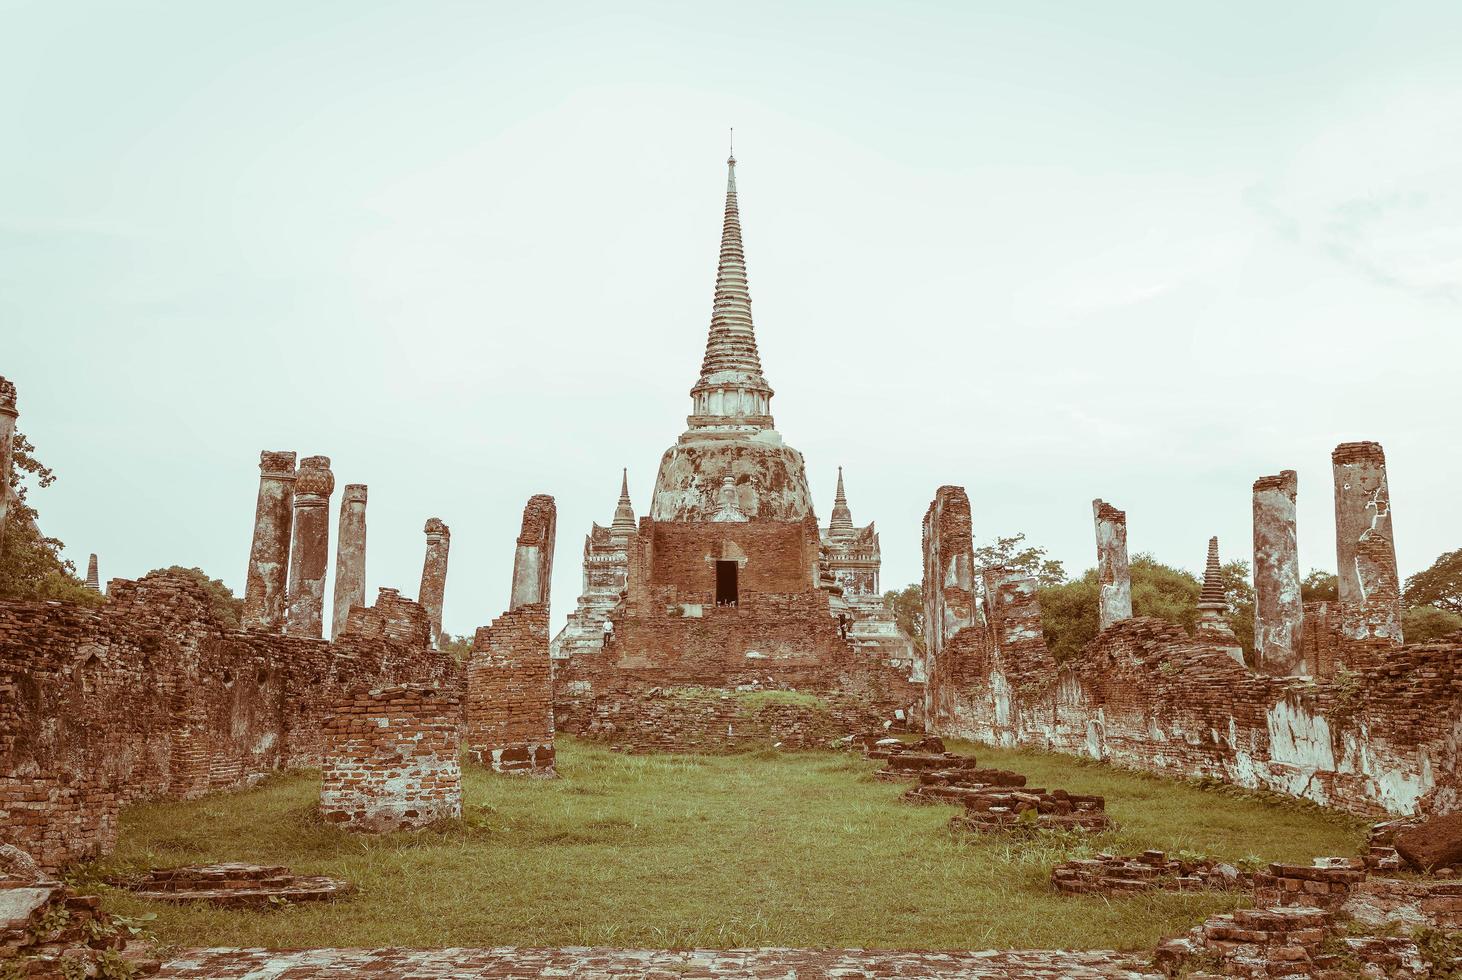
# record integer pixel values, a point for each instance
(621, 964)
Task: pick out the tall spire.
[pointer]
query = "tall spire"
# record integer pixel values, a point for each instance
(731, 393)
(1212, 594)
(842, 517)
(624, 513)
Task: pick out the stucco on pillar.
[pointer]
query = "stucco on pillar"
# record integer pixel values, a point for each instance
(268, 576)
(434, 573)
(350, 556)
(8, 415)
(533, 560)
(1113, 573)
(310, 551)
(1365, 549)
(1278, 607)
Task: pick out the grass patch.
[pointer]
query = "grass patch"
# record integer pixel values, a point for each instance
(795, 849)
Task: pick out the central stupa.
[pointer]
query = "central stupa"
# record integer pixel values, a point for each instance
(730, 431)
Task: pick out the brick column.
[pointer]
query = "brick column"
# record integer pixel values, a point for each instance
(434, 573)
(8, 415)
(93, 582)
(533, 560)
(1112, 570)
(949, 592)
(1365, 550)
(1278, 608)
(264, 588)
(310, 552)
(350, 556)
(391, 760)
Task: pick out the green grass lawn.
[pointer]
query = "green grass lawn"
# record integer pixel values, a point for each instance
(766, 849)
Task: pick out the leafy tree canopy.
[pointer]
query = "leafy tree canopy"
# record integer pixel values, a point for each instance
(1014, 554)
(1440, 586)
(227, 608)
(1420, 624)
(31, 565)
(907, 605)
(1320, 586)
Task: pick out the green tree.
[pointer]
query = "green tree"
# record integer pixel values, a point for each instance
(458, 646)
(907, 606)
(1439, 586)
(1029, 560)
(227, 608)
(1320, 586)
(1069, 611)
(1419, 624)
(31, 564)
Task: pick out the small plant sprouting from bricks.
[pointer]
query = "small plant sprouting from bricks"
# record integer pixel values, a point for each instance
(1347, 697)
(1441, 951)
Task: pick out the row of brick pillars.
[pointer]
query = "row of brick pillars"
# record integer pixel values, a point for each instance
(285, 588)
(1369, 584)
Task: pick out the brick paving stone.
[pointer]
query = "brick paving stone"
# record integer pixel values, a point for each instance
(593, 963)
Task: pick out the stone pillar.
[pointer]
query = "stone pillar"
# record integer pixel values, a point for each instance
(1365, 550)
(265, 585)
(391, 759)
(93, 583)
(949, 595)
(1112, 571)
(533, 561)
(350, 556)
(1213, 627)
(1278, 609)
(310, 552)
(8, 415)
(434, 574)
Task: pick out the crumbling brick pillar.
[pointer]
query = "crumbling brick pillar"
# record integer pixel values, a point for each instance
(1278, 608)
(509, 675)
(510, 693)
(265, 585)
(391, 760)
(949, 568)
(949, 589)
(1113, 573)
(350, 556)
(1013, 610)
(1365, 550)
(8, 415)
(93, 581)
(434, 574)
(310, 552)
(533, 560)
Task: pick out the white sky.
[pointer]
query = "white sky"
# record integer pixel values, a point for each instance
(1046, 251)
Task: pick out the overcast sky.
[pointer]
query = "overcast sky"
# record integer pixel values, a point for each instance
(1049, 252)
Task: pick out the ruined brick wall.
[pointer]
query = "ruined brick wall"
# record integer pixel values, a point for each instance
(1147, 695)
(147, 695)
(392, 759)
(509, 712)
(949, 588)
(774, 556)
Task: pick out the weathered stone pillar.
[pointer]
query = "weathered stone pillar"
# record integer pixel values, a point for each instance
(1213, 627)
(1112, 570)
(310, 552)
(434, 573)
(949, 594)
(8, 415)
(1365, 549)
(1278, 609)
(93, 582)
(533, 561)
(265, 585)
(350, 556)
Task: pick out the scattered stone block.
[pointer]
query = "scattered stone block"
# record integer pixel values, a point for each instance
(235, 885)
(1433, 843)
